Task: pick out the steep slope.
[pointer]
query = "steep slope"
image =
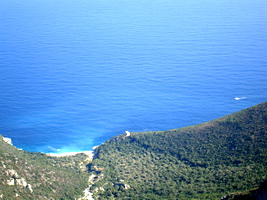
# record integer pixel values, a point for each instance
(259, 193)
(26, 176)
(205, 161)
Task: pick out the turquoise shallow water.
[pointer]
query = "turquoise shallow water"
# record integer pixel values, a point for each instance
(75, 73)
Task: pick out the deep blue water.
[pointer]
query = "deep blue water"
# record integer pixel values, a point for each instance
(74, 73)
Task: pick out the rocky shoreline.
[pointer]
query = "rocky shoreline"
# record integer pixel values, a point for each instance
(88, 195)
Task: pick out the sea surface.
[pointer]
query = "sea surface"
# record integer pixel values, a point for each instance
(74, 73)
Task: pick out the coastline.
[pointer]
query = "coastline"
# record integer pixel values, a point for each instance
(88, 195)
(7, 140)
(90, 154)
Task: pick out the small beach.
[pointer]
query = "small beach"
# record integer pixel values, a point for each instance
(90, 154)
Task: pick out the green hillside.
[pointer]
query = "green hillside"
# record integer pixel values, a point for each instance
(221, 159)
(259, 193)
(36, 176)
(205, 161)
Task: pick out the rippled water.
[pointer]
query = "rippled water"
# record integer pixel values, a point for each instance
(75, 73)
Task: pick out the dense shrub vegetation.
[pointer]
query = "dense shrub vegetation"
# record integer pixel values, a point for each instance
(205, 161)
(27, 176)
(259, 193)
(224, 158)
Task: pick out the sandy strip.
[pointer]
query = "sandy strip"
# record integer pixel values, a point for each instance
(90, 154)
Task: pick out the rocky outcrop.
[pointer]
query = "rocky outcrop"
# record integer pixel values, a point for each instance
(12, 173)
(10, 181)
(7, 140)
(21, 182)
(123, 185)
(28, 175)
(29, 187)
(15, 179)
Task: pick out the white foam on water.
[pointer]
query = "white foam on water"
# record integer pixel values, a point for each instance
(240, 98)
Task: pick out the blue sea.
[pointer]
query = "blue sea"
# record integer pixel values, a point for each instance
(74, 73)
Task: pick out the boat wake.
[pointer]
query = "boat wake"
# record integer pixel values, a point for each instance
(240, 98)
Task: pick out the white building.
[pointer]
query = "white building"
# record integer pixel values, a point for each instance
(127, 133)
